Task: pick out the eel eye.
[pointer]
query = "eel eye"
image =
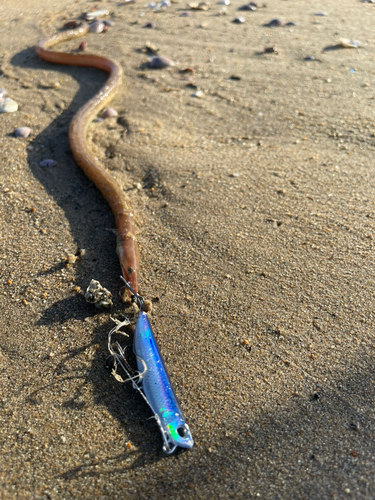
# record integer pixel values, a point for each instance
(182, 431)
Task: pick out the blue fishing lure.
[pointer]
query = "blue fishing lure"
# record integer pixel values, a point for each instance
(158, 389)
(153, 383)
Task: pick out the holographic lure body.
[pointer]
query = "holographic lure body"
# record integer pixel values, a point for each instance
(158, 390)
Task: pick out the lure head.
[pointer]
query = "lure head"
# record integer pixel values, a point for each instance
(177, 430)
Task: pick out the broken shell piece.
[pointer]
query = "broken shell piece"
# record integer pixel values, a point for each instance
(98, 295)
(151, 49)
(3, 93)
(349, 44)
(224, 2)
(90, 16)
(159, 62)
(8, 105)
(109, 113)
(22, 132)
(96, 26)
(199, 6)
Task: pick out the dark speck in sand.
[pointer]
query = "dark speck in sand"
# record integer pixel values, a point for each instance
(150, 26)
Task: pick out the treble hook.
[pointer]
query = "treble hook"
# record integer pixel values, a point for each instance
(138, 298)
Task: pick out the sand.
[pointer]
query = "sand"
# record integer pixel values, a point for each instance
(255, 219)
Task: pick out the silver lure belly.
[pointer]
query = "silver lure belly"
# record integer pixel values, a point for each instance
(158, 389)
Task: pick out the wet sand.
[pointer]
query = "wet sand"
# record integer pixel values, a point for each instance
(255, 219)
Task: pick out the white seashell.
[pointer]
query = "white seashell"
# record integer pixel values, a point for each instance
(109, 113)
(8, 106)
(97, 26)
(48, 163)
(22, 132)
(90, 16)
(349, 44)
(198, 93)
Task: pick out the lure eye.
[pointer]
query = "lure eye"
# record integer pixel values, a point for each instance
(182, 431)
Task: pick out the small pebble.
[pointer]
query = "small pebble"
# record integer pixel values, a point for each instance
(270, 50)
(309, 58)
(159, 62)
(151, 26)
(97, 26)
(108, 22)
(82, 46)
(185, 14)
(224, 2)
(3, 93)
(109, 113)
(22, 132)
(8, 105)
(275, 23)
(248, 6)
(238, 20)
(320, 14)
(48, 163)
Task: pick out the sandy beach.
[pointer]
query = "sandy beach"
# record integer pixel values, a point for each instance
(254, 204)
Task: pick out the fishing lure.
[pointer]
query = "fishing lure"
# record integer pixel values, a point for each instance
(154, 384)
